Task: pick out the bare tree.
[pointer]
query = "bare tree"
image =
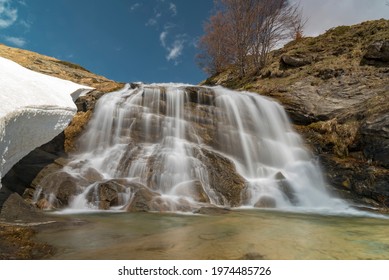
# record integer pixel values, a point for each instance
(215, 48)
(276, 21)
(243, 32)
(239, 16)
(298, 24)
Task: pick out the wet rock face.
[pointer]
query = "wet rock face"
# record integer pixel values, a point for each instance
(223, 178)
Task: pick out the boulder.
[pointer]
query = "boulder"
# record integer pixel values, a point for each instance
(15, 209)
(377, 54)
(295, 60)
(145, 200)
(224, 180)
(57, 188)
(108, 194)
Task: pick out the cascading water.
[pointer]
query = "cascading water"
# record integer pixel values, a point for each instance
(171, 147)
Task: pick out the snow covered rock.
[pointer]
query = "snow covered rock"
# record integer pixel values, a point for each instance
(34, 108)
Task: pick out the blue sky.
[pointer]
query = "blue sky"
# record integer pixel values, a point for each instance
(149, 40)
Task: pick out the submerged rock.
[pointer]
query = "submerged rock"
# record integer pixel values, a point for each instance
(266, 202)
(209, 210)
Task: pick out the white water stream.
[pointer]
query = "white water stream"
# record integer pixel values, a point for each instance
(156, 135)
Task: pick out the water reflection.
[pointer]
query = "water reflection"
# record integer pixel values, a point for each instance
(241, 234)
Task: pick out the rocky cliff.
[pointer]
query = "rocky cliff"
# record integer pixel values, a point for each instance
(335, 88)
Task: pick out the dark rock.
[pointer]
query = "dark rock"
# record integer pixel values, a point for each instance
(201, 96)
(294, 61)
(375, 137)
(23, 173)
(87, 102)
(15, 209)
(361, 181)
(377, 54)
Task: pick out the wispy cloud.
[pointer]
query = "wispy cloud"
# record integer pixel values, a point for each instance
(8, 15)
(175, 46)
(135, 6)
(153, 20)
(176, 50)
(25, 24)
(172, 41)
(16, 41)
(162, 38)
(173, 8)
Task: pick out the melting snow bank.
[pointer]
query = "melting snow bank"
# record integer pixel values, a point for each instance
(34, 109)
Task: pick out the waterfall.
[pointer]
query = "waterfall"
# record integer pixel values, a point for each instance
(173, 147)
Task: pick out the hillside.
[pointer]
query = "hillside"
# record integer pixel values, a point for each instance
(336, 91)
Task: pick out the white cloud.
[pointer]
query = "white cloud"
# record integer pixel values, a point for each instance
(16, 41)
(8, 15)
(162, 38)
(173, 8)
(175, 46)
(175, 50)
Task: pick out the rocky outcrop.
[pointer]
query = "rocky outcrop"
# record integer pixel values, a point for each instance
(377, 54)
(295, 61)
(375, 139)
(339, 102)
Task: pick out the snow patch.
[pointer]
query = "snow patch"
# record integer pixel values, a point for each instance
(34, 108)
